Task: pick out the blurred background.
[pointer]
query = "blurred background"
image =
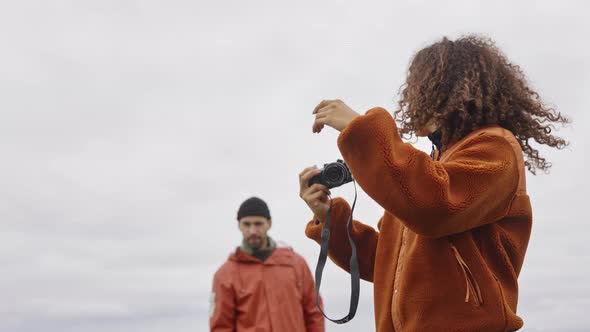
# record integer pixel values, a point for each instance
(130, 132)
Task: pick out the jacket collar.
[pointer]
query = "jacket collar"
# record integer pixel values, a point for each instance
(280, 256)
(436, 138)
(260, 254)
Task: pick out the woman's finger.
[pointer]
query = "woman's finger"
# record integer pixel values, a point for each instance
(317, 128)
(321, 105)
(305, 170)
(322, 115)
(317, 187)
(304, 179)
(319, 123)
(317, 198)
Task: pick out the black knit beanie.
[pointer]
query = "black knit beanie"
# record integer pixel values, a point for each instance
(253, 206)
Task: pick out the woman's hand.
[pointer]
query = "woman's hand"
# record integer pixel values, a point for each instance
(316, 196)
(333, 113)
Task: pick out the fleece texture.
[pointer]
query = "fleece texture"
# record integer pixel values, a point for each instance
(448, 250)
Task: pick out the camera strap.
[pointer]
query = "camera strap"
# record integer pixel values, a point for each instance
(354, 266)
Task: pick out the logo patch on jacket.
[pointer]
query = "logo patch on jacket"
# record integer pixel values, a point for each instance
(211, 304)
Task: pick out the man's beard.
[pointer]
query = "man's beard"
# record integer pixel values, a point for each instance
(256, 242)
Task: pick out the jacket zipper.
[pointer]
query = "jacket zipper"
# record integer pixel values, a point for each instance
(398, 269)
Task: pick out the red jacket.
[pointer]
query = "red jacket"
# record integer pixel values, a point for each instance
(277, 295)
(451, 243)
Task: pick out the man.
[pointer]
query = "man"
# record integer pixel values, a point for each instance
(263, 286)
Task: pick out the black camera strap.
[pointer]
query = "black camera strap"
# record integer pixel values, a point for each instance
(354, 266)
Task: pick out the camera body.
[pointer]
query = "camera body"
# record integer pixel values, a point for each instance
(333, 175)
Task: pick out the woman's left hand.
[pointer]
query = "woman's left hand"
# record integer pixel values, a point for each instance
(333, 113)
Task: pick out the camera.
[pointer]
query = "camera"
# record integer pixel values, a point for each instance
(333, 175)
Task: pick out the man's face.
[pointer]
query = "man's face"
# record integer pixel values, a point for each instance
(254, 230)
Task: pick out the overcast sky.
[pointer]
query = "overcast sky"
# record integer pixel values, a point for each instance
(130, 131)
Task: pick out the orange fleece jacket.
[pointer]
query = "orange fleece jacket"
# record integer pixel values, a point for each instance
(452, 240)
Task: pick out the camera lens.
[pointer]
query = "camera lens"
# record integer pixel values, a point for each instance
(334, 174)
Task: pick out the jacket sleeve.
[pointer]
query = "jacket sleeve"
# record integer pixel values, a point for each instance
(223, 305)
(339, 250)
(473, 187)
(314, 320)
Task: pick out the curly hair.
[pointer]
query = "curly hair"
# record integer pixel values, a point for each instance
(467, 84)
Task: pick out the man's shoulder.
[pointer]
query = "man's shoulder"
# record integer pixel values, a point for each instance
(283, 245)
(287, 250)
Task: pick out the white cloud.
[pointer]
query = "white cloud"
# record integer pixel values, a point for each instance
(131, 131)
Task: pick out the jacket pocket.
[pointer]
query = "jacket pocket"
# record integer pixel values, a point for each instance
(472, 290)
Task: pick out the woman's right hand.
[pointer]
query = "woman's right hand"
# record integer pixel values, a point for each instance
(316, 196)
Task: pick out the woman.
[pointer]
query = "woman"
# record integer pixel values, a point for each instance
(452, 240)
